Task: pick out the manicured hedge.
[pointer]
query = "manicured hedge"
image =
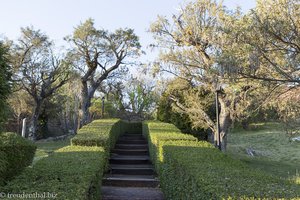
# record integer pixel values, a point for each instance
(72, 172)
(102, 132)
(161, 132)
(19, 153)
(197, 170)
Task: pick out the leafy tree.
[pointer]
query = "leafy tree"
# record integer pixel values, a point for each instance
(37, 69)
(167, 112)
(97, 54)
(267, 51)
(199, 47)
(5, 81)
(141, 97)
(271, 40)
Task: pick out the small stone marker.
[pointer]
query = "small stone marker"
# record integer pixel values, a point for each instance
(24, 128)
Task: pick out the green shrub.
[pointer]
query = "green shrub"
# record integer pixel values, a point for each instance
(72, 172)
(3, 167)
(197, 170)
(19, 153)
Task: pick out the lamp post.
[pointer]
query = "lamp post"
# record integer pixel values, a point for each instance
(218, 90)
(103, 98)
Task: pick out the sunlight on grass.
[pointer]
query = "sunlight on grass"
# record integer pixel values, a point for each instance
(44, 149)
(274, 151)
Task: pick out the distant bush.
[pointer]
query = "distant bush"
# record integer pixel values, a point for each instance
(72, 172)
(19, 153)
(197, 170)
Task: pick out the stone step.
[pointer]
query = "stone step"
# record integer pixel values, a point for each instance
(130, 193)
(132, 169)
(121, 180)
(128, 160)
(133, 141)
(131, 135)
(130, 151)
(140, 137)
(131, 146)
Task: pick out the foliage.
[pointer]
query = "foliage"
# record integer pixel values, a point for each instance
(245, 54)
(203, 172)
(181, 90)
(19, 153)
(271, 40)
(98, 55)
(288, 109)
(72, 172)
(37, 70)
(141, 96)
(5, 81)
(110, 110)
(195, 44)
(3, 167)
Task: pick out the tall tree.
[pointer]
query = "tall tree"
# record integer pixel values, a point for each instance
(198, 48)
(5, 80)
(97, 54)
(37, 69)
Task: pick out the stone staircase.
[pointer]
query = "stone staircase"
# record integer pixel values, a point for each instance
(131, 175)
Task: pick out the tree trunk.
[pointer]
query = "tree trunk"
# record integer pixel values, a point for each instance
(225, 121)
(76, 114)
(85, 114)
(35, 118)
(87, 95)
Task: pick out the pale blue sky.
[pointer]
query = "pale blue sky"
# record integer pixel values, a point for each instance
(57, 18)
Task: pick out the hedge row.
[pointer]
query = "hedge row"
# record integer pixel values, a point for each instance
(16, 153)
(197, 170)
(72, 172)
(161, 132)
(103, 133)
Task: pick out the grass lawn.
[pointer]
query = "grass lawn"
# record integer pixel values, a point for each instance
(46, 148)
(275, 153)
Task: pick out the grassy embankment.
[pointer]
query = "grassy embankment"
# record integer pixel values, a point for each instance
(274, 152)
(44, 149)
